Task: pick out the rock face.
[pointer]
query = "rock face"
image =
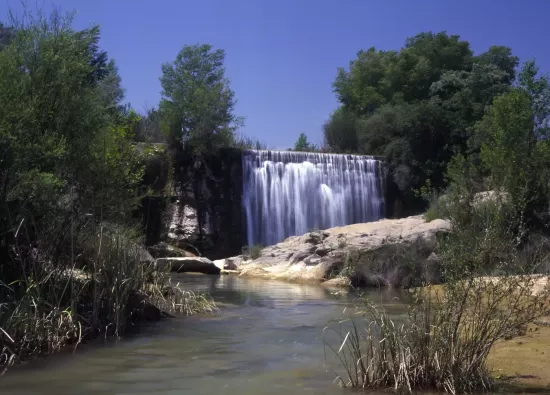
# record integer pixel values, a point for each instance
(188, 264)
(184, 225)
(196, 201)
(391, 252)
(225, 264)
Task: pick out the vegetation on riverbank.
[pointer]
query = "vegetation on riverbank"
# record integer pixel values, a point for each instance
(443, 344)
(488, 166)
(72, 261)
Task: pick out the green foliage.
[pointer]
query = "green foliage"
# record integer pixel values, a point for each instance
(417, 106)
(6, 35)
(538, 89)
(303, 145)
(148, 129)
(66, 135)
(245, 142)
(253, 251)
(443, 342)
(340, 131)
(69, 169)
(508, 153)
(62, 303)
(513, 136)
(492, 259)
(433, 212)
(197, 103)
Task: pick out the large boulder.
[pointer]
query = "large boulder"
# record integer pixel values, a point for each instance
(188, 264)
(395, 252)
(165, 250)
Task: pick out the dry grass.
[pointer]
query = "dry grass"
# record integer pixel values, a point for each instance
(444, 342)
(57, 304)
(172, 298)
(524, 360)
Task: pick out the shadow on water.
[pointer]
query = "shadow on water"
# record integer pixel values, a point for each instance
(267, 339)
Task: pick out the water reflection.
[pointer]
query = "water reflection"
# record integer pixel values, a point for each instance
(267, 340)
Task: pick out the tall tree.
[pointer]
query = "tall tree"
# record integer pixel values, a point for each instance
(197, 103)
(66, 140)
(538, 89)
(303, 145)
(417, 106)
(340, 131)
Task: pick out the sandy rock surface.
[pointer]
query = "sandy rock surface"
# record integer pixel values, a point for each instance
(320, 255)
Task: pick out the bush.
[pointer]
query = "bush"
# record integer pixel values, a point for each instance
(61, 302)
(444, 341)
(491, 265)
(253, 251)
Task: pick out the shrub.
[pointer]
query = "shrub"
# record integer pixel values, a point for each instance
(253, 251)
(342, 242)
(437, 209)
(491, 265)
(444, 341)
(60, 302)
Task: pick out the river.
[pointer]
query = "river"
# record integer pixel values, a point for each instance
(267, 339)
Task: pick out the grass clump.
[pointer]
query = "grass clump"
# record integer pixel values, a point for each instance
(496, 284)
(444, 341)
(60, 303)
(253, 251)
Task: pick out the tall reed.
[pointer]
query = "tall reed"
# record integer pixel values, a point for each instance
(106, 287)
(444, 340)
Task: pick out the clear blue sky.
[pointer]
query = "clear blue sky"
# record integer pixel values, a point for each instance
(282, 55)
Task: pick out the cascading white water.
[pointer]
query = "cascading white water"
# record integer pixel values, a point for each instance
(288, 193)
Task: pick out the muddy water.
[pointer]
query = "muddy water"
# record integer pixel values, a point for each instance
(267, 339)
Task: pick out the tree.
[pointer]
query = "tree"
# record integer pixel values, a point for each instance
(516, 150)
(418, 106)
(502, 58)
(149, 128)
(340, 131)
(303, 145)
(197, 103)
(66, 138)
(538, 89)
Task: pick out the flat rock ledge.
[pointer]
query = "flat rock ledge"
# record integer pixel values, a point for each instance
(389, 252)
(195, 265)
(187, 264)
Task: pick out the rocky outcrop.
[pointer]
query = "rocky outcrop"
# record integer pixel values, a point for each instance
(187, 264)
(225, 264)
(195, 201)
(184, 224)
(391, 252)
(165, 250)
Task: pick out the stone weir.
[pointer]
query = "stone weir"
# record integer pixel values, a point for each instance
(233, 198)
(287, 193)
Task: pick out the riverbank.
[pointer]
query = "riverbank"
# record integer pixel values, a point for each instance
(523, 361)
(267, 339)
(65, 305)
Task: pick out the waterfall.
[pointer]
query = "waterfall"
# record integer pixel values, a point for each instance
(289, 193)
